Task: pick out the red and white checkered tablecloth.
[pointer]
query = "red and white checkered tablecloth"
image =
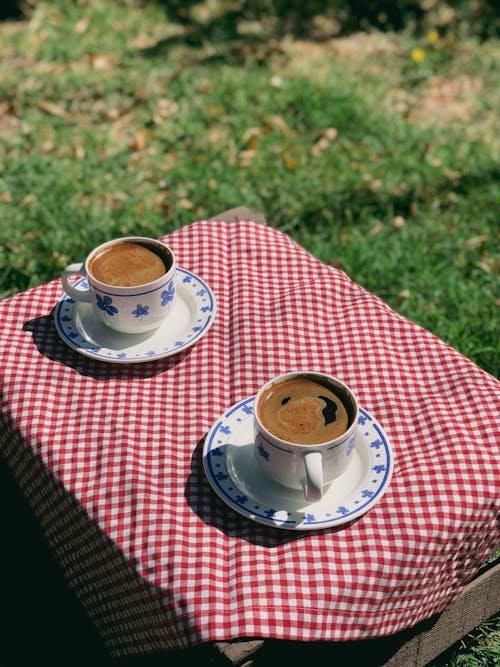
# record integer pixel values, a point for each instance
(110, 458)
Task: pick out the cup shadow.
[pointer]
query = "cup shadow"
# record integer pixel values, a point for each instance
(50, 345)
(212, 510)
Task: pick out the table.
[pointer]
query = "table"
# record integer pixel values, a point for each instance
(109, 458)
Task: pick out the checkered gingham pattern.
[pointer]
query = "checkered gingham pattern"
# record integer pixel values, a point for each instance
(110, 458)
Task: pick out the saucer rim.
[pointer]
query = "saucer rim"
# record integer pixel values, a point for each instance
(287, 525)
(87, 352)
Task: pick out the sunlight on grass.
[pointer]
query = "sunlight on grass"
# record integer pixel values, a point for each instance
(118, 120)
(371, 140)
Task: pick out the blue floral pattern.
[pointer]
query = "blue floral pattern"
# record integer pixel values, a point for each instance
(167, 296)
(228, 464)
(105, 303)
(140, 311)
(263, 452)
(79, 332)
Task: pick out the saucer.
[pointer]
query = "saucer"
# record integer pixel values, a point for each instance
(234, 475)
(191, 317)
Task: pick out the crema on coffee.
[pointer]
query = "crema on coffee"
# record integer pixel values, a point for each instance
(127, 264)
(304, 410)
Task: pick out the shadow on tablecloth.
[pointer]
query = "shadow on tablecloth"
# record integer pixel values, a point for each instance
(214, 512)
(44, 620)
(49, 343)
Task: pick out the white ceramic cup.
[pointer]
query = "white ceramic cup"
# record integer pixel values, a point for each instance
(127, 309)
(307, 467)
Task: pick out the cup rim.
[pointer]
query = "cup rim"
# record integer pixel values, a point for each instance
(118, 289)
(331, 378)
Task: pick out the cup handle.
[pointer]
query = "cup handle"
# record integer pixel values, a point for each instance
(313, 462)
(76, 294)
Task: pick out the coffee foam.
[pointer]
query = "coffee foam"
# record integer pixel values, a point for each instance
(127, 264)
(303, 410)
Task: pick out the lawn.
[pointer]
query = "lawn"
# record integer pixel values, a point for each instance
(375, 149)
(371, 138)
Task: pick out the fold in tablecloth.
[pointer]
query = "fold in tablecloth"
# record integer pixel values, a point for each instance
(110, 458)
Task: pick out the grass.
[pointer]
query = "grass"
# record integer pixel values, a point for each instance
(371, 138)
(480, 648)
(117, 119)
(377, 151)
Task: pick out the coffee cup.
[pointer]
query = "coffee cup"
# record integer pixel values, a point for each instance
(305, 429)
(130, 281)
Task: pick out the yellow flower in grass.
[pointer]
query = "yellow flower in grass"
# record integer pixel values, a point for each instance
(433, 37)
(418, 55)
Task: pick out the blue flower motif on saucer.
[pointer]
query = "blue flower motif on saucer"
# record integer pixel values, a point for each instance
(233, 472)
(376, 444)
(188, 294)
(140, 311)
(167, 295)
(104, 303)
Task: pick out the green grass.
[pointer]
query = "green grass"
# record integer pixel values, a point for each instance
(117, 119)
(372, 139)
(480, 648)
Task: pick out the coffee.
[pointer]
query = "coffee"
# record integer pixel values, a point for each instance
(305, 409)
(127, 264)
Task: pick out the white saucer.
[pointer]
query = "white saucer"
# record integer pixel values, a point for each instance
(190, 319)
(232, 471)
